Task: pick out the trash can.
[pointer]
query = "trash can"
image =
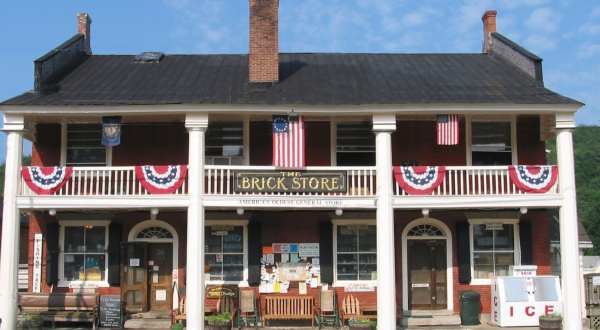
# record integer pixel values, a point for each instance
(469, 307)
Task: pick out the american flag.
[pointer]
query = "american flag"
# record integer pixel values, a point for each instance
(288, 142)
(447, 129)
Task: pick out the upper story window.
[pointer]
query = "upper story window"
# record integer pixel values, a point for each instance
(225, 249)
(84, 145)
(491, 143)
(355, 252)
(355, 144)
(494, 247)
(84, 255)
(225, 143)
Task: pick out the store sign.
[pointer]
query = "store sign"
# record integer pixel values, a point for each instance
(290, 181)
(359, 287)
(493, 226)
(308, 249)
(218, 291)
(37, 262)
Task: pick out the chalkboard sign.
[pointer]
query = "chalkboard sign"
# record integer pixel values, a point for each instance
(110, 311)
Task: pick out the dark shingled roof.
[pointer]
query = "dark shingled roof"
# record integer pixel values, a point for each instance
(311, 79)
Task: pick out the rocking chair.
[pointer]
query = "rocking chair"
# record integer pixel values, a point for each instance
(327, 312)
(248, 312)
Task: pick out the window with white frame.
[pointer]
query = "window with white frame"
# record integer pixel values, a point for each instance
(84, 145)
(355, 252)
(225, 251)
(494, 247)
(491, 143)
(84, 255)
(224, 143)
(355, 144)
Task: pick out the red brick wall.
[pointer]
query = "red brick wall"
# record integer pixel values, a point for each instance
(46, 149)
(264, 41)
(152, 145)
(530, 150)
(261, 143)
(417, 141)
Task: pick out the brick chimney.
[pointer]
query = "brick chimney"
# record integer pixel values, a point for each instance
(264, 41)
(489, 26)
(83, 27)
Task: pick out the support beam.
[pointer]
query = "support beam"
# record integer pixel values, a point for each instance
(9, 261)
(569, 236)
(196, 125)
(383, 126)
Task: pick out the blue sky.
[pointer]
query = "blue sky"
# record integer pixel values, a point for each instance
(565, 33)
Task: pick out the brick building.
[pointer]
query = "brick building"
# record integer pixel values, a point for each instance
(382, 201)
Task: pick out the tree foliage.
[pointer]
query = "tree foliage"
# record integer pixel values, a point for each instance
(26, 162)
(586, 145)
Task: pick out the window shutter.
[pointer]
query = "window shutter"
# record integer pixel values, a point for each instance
(326, 251)
(464, 252)
(114, 253)
(52, 252)
(254, 253)
(526, 242)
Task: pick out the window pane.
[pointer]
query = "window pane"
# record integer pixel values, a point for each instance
(356, 253)
(233, 242)
(483, 265)
(355, 144)
(74, 263)
(84, 145)
(74, 239)
(483, 240)
(212, 242)
(94, 239)
(225, 139)
(504, 239)
(494, 136)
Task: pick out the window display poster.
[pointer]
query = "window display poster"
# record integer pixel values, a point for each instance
(285, 257)
(294, 257)
(302, 288)
(270, 259)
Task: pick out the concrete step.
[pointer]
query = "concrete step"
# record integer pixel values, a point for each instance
(435, 312)
(145, 323)
(431, 320)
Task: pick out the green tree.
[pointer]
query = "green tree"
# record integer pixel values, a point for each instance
(26, 162)
(586, 145)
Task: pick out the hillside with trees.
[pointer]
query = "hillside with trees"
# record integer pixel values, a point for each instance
(586, 140)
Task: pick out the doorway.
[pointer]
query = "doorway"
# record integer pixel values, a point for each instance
(148, 261)
(427, 274)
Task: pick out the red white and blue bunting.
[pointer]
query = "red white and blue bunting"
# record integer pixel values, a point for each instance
(533, 179)
(162, 179)
(419, 180)
(46, 180)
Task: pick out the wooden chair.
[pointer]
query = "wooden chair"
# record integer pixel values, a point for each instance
(350, 308)
(179, 315)
(226, 303)
(248, 312)
(327, 312)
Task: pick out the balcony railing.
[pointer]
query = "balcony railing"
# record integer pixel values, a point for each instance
(475, 181)
(219, 180)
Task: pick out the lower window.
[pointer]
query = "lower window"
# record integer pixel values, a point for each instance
(356, 252)
(224, 253)
(84, 251)
(494, 249)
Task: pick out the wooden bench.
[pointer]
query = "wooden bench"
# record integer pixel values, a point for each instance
(61, 307)
(289, 308)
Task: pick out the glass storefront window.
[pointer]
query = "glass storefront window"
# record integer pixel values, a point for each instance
(224, 253)
(493, 250)
(356, 253)
(84, 253)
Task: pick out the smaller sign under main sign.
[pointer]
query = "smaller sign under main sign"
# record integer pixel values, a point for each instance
(493, 226)
(218, 291)
(290, 181)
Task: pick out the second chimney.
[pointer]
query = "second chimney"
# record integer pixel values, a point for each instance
(489, 26)
(83, 27)
(264, 41)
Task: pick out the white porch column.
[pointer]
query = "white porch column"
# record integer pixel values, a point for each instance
(569, 236)
(9, 261)
(196, 125)
(383, 126)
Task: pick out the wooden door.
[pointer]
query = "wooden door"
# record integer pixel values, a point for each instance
(427, 274)
(160, 272)
(134, 278)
